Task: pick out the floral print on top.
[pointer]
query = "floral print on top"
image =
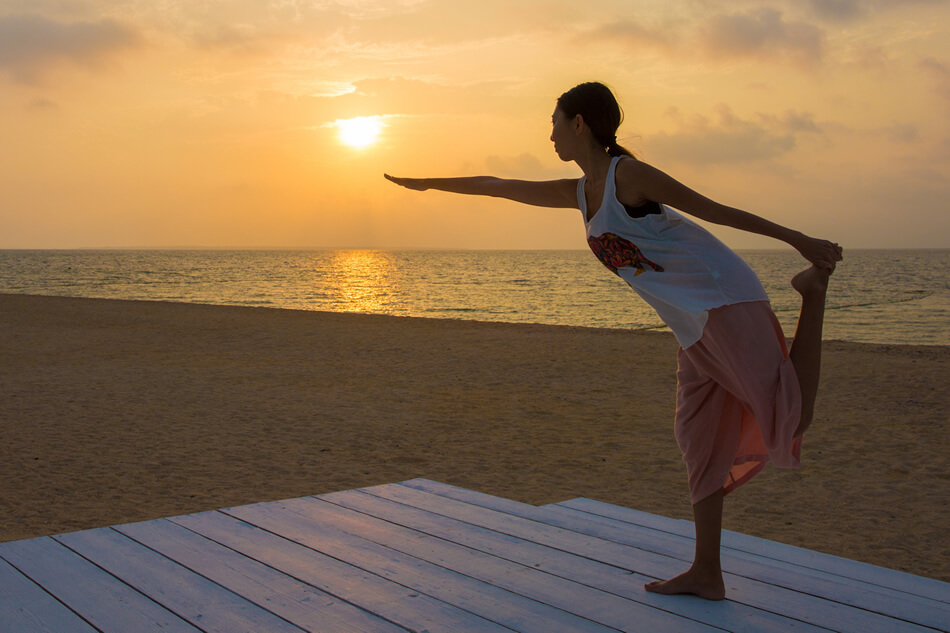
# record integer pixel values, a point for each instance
(616, 252)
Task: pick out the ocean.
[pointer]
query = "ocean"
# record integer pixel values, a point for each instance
(876, 296)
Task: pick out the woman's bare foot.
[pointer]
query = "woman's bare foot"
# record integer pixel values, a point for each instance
(706, 584)
(811, 281)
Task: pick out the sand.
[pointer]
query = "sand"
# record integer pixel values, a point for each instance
(120, 411)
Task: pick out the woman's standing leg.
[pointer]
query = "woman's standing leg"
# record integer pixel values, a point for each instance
(805, 353)
(708, 418)
(704, 578)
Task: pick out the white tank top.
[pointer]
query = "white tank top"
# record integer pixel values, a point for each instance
(674, 264)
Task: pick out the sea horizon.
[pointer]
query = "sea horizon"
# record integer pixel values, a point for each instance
(410, 248)
(890, 296)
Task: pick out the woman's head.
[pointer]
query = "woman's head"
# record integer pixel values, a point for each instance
(599, 110)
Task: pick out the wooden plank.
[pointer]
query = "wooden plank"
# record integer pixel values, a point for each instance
(871, 598)
(812, 609)
(856, 570)
(745, 591)
(381, 597)
(682, 527)
(591, 604)
(586, 572)
(105, 602)
(297, 602)
(472, 497)
(313, 523)
(426, 556)
(25, 607)
(197, 600)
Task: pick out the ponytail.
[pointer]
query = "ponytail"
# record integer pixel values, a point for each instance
(615, 149)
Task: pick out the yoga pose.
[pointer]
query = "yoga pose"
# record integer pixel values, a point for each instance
(742, 398)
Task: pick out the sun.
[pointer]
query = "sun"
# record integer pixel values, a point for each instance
(361, 131)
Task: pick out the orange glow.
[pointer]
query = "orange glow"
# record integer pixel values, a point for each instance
(363, 277)
(359, 132)
(270, 124)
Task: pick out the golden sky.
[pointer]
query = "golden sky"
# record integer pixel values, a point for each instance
(214, 123)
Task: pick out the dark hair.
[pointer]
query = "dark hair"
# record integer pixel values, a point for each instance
(600, 110)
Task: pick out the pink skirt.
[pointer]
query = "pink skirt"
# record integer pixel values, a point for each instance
(738, 401)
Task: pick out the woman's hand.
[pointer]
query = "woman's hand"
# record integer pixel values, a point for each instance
(416, 184)
(821, 253)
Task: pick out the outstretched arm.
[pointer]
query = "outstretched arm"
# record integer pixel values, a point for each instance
(550, 193)
(640, 181)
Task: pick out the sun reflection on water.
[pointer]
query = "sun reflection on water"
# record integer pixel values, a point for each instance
(361, 281)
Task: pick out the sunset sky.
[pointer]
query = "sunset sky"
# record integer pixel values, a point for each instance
(200, 123)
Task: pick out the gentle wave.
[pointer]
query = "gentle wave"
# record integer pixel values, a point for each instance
(831, 306)
(875, 296)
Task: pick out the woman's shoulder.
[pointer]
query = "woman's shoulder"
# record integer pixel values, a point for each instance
(631, 165)
(631, 176)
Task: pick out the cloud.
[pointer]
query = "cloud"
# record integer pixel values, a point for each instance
(238, 38)
(838, 10)
(525, 165)
(939, 73)
(873, 58)
(845, 11)
(731, 139)
(258, 28)
(419, 97)
(791, 121)
(441, 22)
(30, 45)
(762, 33)
(635, 35)
(901, 133)
(414, 102)
(895, 133)
(43, 105)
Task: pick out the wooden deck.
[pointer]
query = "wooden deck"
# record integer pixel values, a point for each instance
(424, 556)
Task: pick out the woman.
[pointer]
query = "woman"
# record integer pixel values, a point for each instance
(742, 398)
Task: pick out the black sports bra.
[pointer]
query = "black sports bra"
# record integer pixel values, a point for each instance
(647, 208)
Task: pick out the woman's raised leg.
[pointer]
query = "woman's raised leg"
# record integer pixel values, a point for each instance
(805, 353)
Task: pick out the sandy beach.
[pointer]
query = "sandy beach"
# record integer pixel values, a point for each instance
(119, 411)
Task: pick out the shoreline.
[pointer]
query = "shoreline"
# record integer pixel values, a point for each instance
(124, 410)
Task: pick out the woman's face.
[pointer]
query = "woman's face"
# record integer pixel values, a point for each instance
(562, 135)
